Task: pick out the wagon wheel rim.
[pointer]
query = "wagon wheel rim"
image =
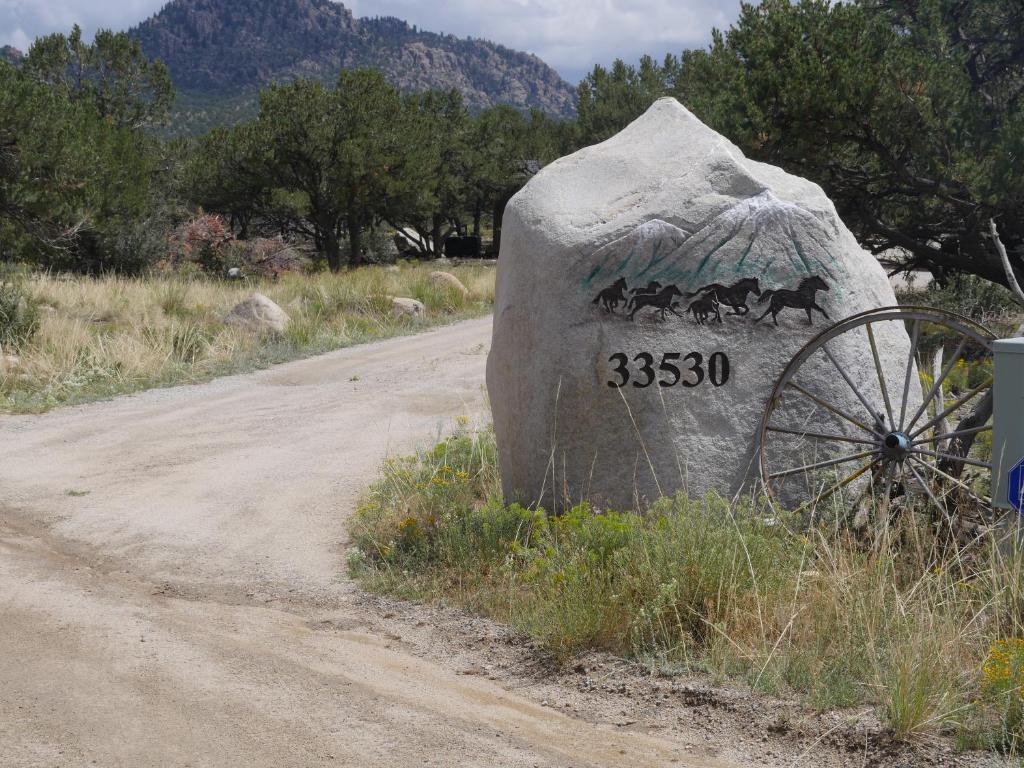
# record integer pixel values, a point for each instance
(898, 446)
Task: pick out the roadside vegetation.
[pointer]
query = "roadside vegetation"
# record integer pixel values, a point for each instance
(68, 340)
(928, 632)
(919, 620)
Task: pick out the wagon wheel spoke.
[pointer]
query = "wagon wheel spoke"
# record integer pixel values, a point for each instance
(820, 435)
(957, 433)
(946, 476)
(849, 381)
(835, 488)
(881, 375)
(959, 403)
(823, 464)
(834, 409)
(890, 475)
(937, 384)
(960, 459)
(928, 490)
(914, 335)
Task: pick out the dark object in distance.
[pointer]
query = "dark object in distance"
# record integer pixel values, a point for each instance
(467, 247)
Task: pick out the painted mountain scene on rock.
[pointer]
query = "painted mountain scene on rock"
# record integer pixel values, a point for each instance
(762, 237)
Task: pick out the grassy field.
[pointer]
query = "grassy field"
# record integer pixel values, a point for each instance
(80, 339)
(928, 633)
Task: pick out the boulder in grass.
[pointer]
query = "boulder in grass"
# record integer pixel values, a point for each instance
(402, 307)
(260, 314)
(448, 280)
(8, 363)
(650, 291)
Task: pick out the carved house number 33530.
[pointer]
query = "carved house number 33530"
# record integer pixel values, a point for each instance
(673, 369)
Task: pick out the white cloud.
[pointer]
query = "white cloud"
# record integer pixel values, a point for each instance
(571, 35)
(23, 20)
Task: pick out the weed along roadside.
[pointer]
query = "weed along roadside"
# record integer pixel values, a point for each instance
(72, 340)
(723, 451)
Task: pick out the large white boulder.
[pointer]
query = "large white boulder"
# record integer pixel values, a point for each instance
(260, 314)
(671, 205)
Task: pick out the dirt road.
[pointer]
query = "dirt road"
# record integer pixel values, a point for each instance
(173, 589)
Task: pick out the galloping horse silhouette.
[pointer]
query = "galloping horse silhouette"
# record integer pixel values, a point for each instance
(734, 296)
(801, 298)
(652, 287)
(662, 300)
(703, 308)
(611, 296)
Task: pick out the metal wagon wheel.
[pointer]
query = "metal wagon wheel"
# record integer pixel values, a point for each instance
(922, 438)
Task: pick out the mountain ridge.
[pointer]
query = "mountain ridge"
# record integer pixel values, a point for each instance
(10, 54)
(223, 52)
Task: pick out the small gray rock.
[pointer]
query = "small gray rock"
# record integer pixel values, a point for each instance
(258, 313)
(406, 307)
(449, 280)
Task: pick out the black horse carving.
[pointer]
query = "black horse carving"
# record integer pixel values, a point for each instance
(662, 300)
(801, 298)
(703, 308)
(734, 296)
(652, 287)
(611, 296)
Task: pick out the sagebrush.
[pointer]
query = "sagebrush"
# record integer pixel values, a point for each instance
(903, 622)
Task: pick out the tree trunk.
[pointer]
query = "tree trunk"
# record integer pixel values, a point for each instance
(332, 249)
(355, 240)
(498, 213)
(436, 238)
(477, 215)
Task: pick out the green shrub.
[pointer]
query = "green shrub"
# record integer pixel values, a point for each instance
(967, 295)
(902, 621)
(19, 317)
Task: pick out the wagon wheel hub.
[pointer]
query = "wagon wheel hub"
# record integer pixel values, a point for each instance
(896, 446)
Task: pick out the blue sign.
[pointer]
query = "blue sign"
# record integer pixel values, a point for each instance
(1015, 487)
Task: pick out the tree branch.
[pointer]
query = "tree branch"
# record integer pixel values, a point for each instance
(1011, 277)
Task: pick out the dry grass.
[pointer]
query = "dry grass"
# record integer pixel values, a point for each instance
(926, 632)
(101, 337)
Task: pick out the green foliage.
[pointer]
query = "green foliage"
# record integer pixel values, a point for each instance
(904, 623)
(436, 164)
(111, 74)
(330, 164)
(19, 317)
(609, 99)
(968, 295)
(75, 174)
(907, 113)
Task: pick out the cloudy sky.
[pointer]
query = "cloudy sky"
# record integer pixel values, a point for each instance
(571, 35)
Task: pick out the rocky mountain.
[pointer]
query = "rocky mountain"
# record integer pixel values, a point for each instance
(10, 54)
(220, 52)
